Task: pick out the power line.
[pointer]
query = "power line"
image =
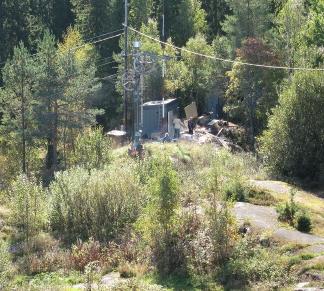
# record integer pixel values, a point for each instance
(226, 60)
(104, 64)
(108, 77)
(97, 41)
(87, 43)
(104, 34)
(76, 75)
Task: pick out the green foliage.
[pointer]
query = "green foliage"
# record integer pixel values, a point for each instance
(99, 204)
(28, 204)
(288, 210)
(255, 266)
(5, 264)
(199, 71)
(92, 150)
(302, 221)
(18, 120)
(292, 213)
(248, 19)
(260, 197)
(66, 83)
(252, 92)
(290, 20)
(226, 180)
(216, 11)
(222, 229)
(159, 221)
(293, 144)
(51, 280)
(164, 189)
(235, 191)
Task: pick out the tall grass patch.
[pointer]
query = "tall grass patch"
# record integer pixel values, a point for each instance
(99, 204)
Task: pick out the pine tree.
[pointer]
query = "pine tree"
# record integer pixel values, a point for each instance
(249, 18)
(17, 102)
(216, 12)
(66, 81)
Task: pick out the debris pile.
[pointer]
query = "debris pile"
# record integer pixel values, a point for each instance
(219, 132)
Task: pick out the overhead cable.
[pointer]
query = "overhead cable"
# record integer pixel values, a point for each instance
(227, 60)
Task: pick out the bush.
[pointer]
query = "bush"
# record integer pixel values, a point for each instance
(222, 230)
(49, 261)
(159, 223)
(5, 264)
(227, 177)
(288, 210)
(293, 214)
(126, 270)
(84, 253)
(302, 222)
(99, 204)
(92, 150)
(253, 265)
(28, 205)
(235, 191)
(293, 143)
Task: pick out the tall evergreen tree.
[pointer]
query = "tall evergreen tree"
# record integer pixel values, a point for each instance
(18, 121)
(14, 25)
(140, 12)
(66, 82)
(250, 18)
(216, 12)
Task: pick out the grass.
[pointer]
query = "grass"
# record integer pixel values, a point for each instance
(48, 281)
(174, 282)
(308, 200)
(193, 164)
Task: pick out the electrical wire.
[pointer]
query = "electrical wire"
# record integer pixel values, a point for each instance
(87, 42)
(104, 34)
(104, 64)
(97, 41)
(226, 60)
(108, 77)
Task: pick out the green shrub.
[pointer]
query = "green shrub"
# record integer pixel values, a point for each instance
(59, 280)
(288, 210)
(99, 204)
(253, 265)
(293, 214)
(159, 223)
(303, 222)
(28, 207)
(293, 144)
(92, 150)
(5, 264)
(235, 191)
(227, 177)
(222, 230)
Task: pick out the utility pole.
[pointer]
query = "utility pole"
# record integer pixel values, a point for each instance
(163, 67)
(126, 64)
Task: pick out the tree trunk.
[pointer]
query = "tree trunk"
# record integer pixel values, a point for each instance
(52, 144)
(23, 124)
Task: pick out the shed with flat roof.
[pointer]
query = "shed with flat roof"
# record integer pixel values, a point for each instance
(153, 122)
